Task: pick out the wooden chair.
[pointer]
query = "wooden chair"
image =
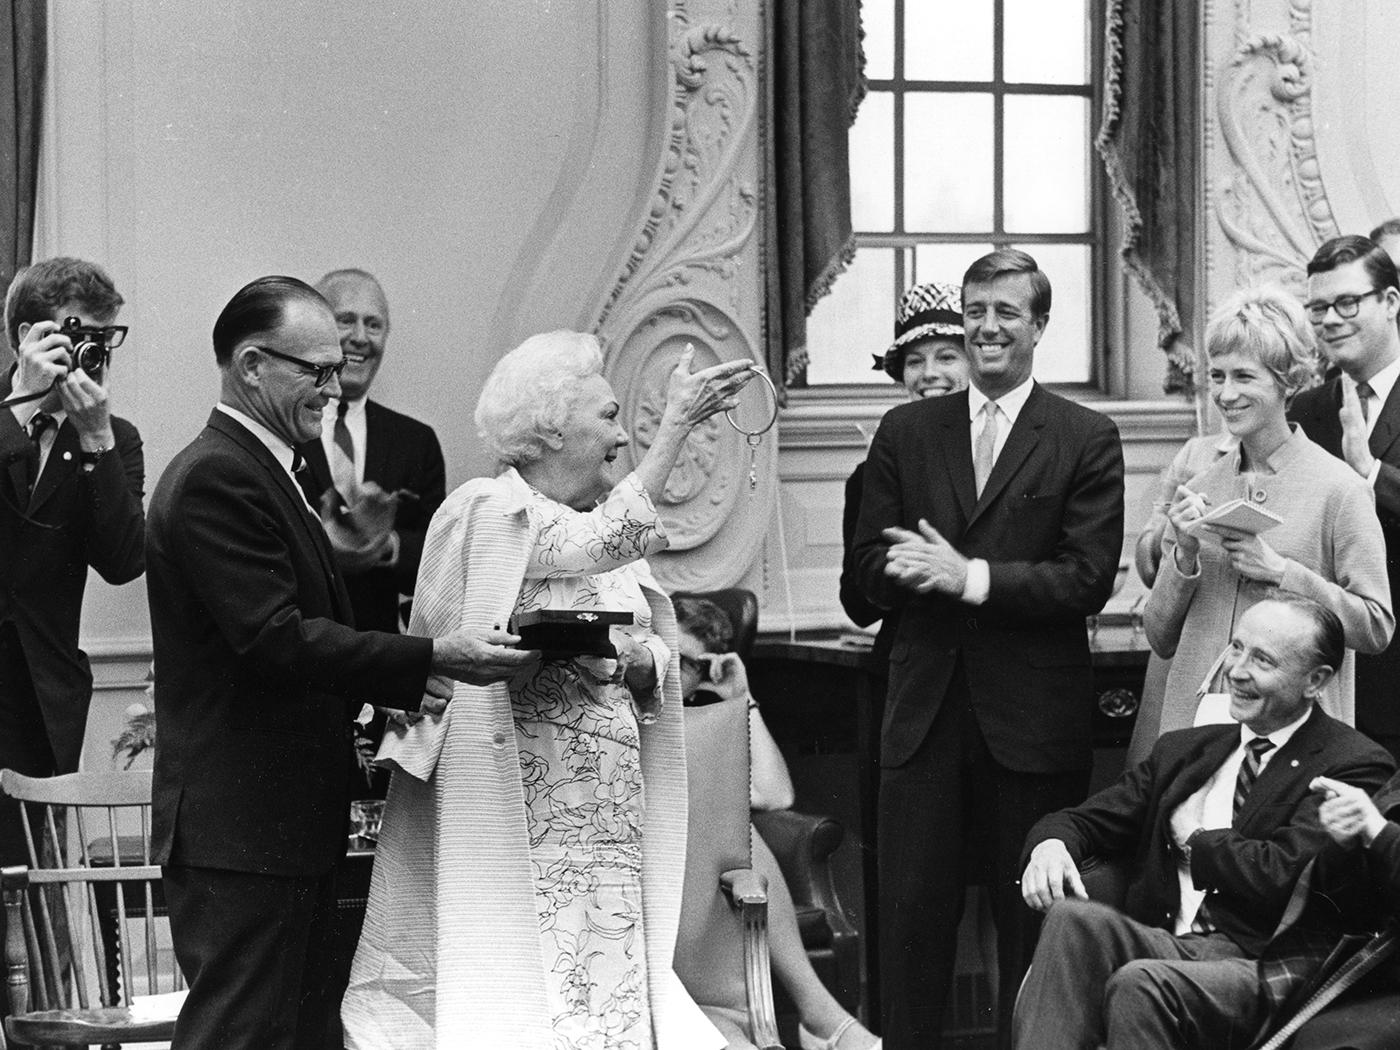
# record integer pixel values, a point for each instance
(722, 944)
(81, 912)
(803, 844)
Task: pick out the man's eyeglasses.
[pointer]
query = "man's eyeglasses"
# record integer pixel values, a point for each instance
(1347, 306)
(113, 335)
(321, 374)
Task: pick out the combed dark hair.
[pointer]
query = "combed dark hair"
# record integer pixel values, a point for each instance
(1389, 228)
(1348, 249)
(1006, 261)
(1329, 638)
(258, 308)
(38, 291)
(707, 621)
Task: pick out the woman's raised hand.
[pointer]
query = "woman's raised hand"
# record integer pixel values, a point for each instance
(692, 397)
(1188, 508)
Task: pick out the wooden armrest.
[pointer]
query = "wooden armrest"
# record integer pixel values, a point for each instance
(747, 890)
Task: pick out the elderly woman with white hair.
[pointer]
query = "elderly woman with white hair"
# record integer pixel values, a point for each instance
(527, 884)
(1328, 546)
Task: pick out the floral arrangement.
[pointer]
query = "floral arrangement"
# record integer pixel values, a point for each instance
(137, 735)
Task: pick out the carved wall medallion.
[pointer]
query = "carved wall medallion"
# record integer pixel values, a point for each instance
(1271, 204)
(693, 276)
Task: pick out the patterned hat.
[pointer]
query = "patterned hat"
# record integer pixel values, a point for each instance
(928, 309)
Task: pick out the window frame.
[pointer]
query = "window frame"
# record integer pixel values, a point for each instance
(1103, 380)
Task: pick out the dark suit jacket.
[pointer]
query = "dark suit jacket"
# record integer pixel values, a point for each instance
(255, 666)
(1378, 675)
(1248, 870)
(73, 521)
(400, 453)
(1050, 525)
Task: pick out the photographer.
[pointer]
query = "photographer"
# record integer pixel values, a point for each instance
(71, 478)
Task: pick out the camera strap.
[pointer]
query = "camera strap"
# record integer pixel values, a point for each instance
(30, 397)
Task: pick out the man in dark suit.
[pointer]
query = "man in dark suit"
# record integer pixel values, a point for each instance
(992, 521)
(255, 667)
(70, 498)
(1215, 827)
(377, 477)
(1354, 306)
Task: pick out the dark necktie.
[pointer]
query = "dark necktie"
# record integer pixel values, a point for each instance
(1364, 394)
(342, 432)
(1249, 769)
(38, 425)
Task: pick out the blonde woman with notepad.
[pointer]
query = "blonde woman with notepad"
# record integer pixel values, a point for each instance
(1318, 535)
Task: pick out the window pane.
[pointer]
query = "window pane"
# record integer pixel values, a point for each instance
(1047, 147)
(947, 162)
(1046, 42)
(877, 21)
(945, 262)
(872, 164)
(1063, 355)
(855, 321)
(948, 39)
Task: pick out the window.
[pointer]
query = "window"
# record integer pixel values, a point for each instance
(976, 133)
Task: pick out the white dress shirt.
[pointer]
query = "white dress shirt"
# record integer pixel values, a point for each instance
(1214, 805)
(281, 451)
(356, 424)
(978, 585)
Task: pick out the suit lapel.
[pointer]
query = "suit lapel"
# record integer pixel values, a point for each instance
(1200, 767)
(956, 445)
(377, 446)
(62, 462)
(1387, 428)
(1019, 443)
(1291, 757)
(314, 531)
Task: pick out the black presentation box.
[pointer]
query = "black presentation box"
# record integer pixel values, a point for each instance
(565, 633)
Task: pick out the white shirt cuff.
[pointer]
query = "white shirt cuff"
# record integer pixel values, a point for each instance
(978, 584)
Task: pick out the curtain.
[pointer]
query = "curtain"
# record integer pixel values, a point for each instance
(23, 50)
(815, 84)
(1148, 142)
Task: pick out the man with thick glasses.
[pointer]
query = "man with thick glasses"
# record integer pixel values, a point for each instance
(71, 478)
(1353, 302)
(257, 673)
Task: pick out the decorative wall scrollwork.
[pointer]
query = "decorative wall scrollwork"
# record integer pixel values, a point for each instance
(1272, 205)
(693, 277)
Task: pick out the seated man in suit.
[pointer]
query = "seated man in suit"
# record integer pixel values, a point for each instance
(1217, 823)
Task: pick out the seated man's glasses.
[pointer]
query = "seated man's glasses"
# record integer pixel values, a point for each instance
(321, 373)
(1347, 306)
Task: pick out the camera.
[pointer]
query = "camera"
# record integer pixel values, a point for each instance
(91, 351)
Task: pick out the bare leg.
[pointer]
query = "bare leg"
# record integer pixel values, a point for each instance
(821, 1014)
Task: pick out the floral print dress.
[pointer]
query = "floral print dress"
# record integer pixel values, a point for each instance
(576, 730)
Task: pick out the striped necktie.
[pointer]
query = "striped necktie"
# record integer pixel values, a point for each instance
(1249, 770)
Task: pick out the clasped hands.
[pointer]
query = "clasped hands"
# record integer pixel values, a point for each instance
(361, 529)
(1249, 555)
(924, 561)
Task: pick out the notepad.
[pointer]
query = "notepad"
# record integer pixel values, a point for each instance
(1242, 515)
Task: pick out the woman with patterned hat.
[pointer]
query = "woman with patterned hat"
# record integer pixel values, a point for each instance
(929, 357)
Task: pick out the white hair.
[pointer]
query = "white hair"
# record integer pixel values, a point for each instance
(530, 393)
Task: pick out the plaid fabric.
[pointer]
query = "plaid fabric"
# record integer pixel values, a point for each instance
(1299, 959)
(1348, 963)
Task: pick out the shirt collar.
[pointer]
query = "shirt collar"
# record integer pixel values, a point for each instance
(1384, 381)
(1010, 403)
(1279, 737)
(355, 411)
(281, 451)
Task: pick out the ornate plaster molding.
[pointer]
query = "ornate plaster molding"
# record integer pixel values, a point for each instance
(693, 277)
(1272, 205)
